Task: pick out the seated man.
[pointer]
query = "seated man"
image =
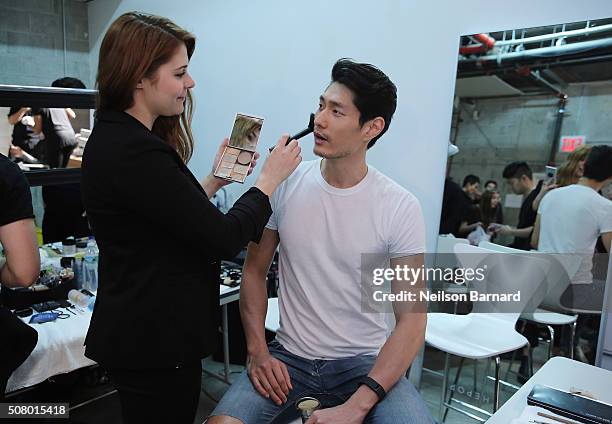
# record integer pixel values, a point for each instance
(325, 216)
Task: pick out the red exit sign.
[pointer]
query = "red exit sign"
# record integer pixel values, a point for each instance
(570, 143)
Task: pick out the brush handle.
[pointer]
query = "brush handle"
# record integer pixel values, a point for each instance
(296, 136)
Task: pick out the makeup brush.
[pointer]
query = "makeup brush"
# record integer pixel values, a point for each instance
(302, 133)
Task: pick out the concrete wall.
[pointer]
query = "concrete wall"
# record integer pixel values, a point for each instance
(511, 129)
(522, 129)
(32, 34)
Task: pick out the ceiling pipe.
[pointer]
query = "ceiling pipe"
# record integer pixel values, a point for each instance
(552, 36)
(487, 43)
(545, 51)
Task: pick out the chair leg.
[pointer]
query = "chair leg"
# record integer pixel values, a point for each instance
(509, 366)
(452, 392)
(552, 340)
(530, 359)
(444, 383)
(475, 379)
(496, 389)
(572, 337)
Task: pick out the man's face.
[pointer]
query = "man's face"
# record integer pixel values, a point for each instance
(491, 187)
(472, 188)
(337, 132)
(517, 185)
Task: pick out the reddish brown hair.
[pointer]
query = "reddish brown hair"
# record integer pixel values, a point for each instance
(133, 48)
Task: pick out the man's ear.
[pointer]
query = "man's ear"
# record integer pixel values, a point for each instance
(374, 127)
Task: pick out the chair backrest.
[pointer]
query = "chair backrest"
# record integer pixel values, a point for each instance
(445, 251)
(563, 268)
(505, 274)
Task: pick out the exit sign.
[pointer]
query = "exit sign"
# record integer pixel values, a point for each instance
(571, 142)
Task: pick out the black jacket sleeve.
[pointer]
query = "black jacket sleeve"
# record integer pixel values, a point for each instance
(156, 184)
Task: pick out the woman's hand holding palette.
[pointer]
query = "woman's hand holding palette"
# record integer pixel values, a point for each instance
(237, 156)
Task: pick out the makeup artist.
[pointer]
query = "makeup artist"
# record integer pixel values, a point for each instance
(160, 238)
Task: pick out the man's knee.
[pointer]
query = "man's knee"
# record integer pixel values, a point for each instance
(223, 419)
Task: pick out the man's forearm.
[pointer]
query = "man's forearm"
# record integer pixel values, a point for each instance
(16, 117)
(253, 307)
(394, 358)
(521, 232)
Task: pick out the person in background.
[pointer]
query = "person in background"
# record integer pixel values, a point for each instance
(490, 185)
(54, 123)
(19, 268)
(570, 220)
(456, 207)
(161, 240)
(24, 140)
(573, 168)
(471, 187)
(567, 174)
(520, 178)
(64, 211)
(490, 204)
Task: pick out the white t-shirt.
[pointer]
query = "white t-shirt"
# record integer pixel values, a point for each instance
(572, 218)
(323, 231)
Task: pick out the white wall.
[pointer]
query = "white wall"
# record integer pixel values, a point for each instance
(274, 58)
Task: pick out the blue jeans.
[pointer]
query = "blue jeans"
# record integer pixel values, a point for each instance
(330, 381)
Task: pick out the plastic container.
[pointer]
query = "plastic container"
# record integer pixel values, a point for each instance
(69, 246)
(90, 267)
(81, 299)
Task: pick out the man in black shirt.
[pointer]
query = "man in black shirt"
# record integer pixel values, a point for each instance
(21, 268)
(520, 178)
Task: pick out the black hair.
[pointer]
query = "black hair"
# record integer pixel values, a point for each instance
(491, 181)
(517, 170)
(374, 94)
(68, 82)
(470, 179)
(598, 164)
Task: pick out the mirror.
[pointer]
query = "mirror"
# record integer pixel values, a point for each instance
(530, 106)
(237, 156)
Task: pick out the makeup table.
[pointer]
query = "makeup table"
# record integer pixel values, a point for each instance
(60, 346)
(560, 373)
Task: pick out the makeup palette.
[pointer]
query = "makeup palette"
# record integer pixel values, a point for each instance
(237, 156)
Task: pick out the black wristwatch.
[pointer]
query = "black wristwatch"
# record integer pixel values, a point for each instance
(372, 384)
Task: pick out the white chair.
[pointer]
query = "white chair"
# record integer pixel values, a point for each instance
(446, 258)
(445, 250)
(559, 279)
(273, 315)
(488, 331)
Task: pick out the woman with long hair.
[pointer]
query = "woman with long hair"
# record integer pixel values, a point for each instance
(159, 236)
(490, 210)
(570, 172)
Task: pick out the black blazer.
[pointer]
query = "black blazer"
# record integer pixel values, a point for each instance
(160, 242)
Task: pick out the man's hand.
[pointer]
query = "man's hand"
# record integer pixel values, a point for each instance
(15, 152)
(342, 414)
(504, 230)
(269, 377)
